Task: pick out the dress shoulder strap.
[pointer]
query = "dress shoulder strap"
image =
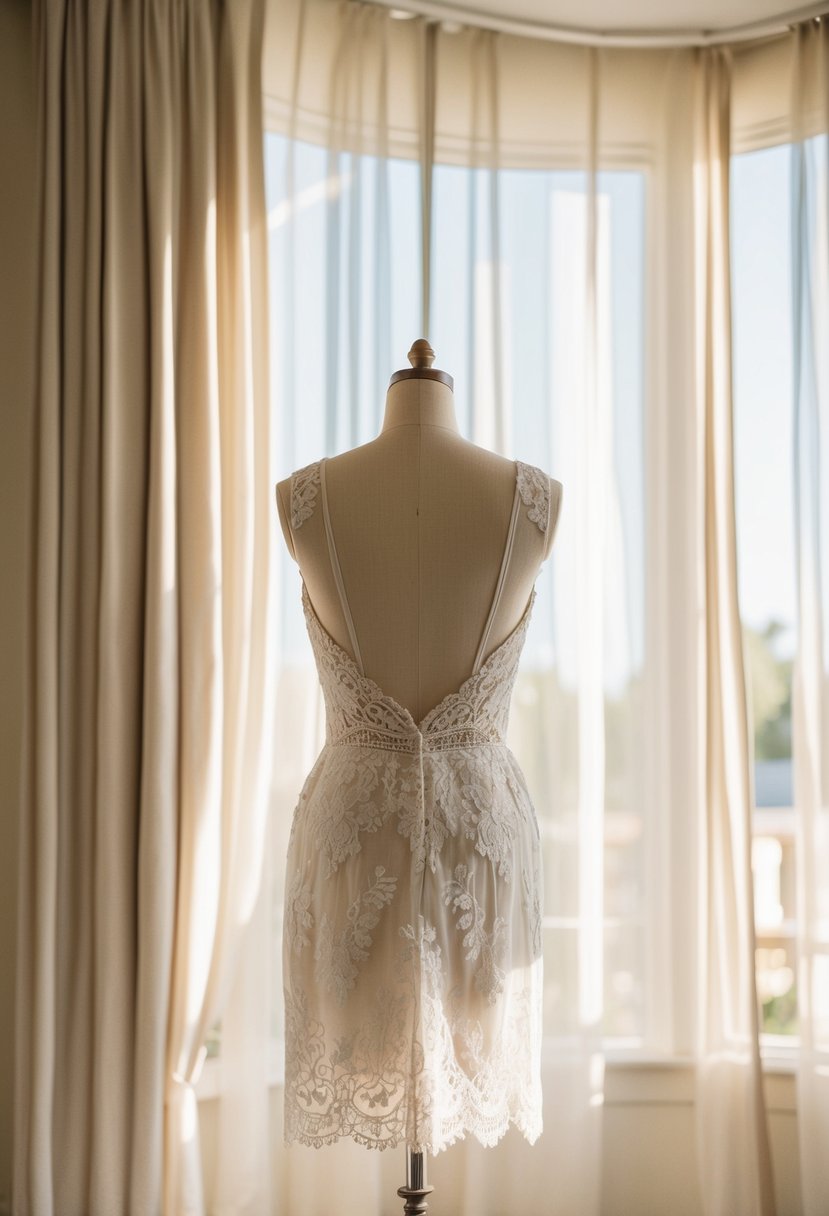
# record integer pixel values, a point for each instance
(305, 483)
(534, 488)
(335, 567)
(499, 586)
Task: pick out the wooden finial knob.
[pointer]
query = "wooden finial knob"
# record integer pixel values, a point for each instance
(421, 357)
(421, 354)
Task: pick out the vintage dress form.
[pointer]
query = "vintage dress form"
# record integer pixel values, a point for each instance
(412, 968)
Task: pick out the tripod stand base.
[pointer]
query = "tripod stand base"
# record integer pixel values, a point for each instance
(415, 1197)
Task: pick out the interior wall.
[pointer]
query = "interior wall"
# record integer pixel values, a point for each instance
(17, 293)
(648, 1160)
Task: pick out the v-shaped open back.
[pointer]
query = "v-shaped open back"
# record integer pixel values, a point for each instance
(338, 577)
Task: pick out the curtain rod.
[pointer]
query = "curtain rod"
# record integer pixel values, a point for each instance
(450, 15)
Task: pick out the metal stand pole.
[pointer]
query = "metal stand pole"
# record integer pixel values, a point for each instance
(415, 1190)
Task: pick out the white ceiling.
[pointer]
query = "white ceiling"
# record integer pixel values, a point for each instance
(624, 16)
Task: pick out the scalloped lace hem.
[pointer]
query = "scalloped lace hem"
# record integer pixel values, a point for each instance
(488, 1134)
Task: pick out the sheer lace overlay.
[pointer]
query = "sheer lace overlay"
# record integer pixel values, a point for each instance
(304, 487)
(534, 488)
(412, 944)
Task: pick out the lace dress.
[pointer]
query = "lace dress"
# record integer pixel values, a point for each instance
(412, 962)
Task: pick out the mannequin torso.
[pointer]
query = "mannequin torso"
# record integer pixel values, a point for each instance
(420, 517)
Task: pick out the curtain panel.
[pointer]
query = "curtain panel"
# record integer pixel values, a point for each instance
(732, 1132)
(147, 697)
(809, 186)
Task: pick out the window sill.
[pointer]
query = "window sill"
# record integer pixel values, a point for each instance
(648, 1080)
(773, 1060)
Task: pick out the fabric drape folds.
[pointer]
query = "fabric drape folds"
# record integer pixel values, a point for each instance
(810, 683)
(732, 1133)
(147, 694)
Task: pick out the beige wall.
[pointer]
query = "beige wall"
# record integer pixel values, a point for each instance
(17, 283)
(649, 1152)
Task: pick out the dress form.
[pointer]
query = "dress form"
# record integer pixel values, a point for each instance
(422, 510)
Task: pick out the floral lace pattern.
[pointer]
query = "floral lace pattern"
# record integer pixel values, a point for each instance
(534, 488)
(298, 898)
(381, 1083)
(305, 483)
(412, 920)
(337, 953)
(531, 903)
(489, 978)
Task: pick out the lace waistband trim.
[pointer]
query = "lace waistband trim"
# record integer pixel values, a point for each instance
(444, 741)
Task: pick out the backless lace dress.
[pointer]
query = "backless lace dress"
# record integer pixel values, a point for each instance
(411, 948)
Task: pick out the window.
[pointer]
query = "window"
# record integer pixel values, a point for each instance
(762, 380)
(354, 237)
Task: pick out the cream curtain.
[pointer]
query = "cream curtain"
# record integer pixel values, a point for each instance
(732, 1134)
(810, 688)
(143, 811)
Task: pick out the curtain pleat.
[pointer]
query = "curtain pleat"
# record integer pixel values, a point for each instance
(732, 1134)
(146, 695)
(381, 284)
(489, 422)
(488, 46)
(427, 78)
(810, 683)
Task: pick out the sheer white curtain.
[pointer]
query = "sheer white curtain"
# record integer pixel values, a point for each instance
(810, 687)
(732, 1132)
(534, 210)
